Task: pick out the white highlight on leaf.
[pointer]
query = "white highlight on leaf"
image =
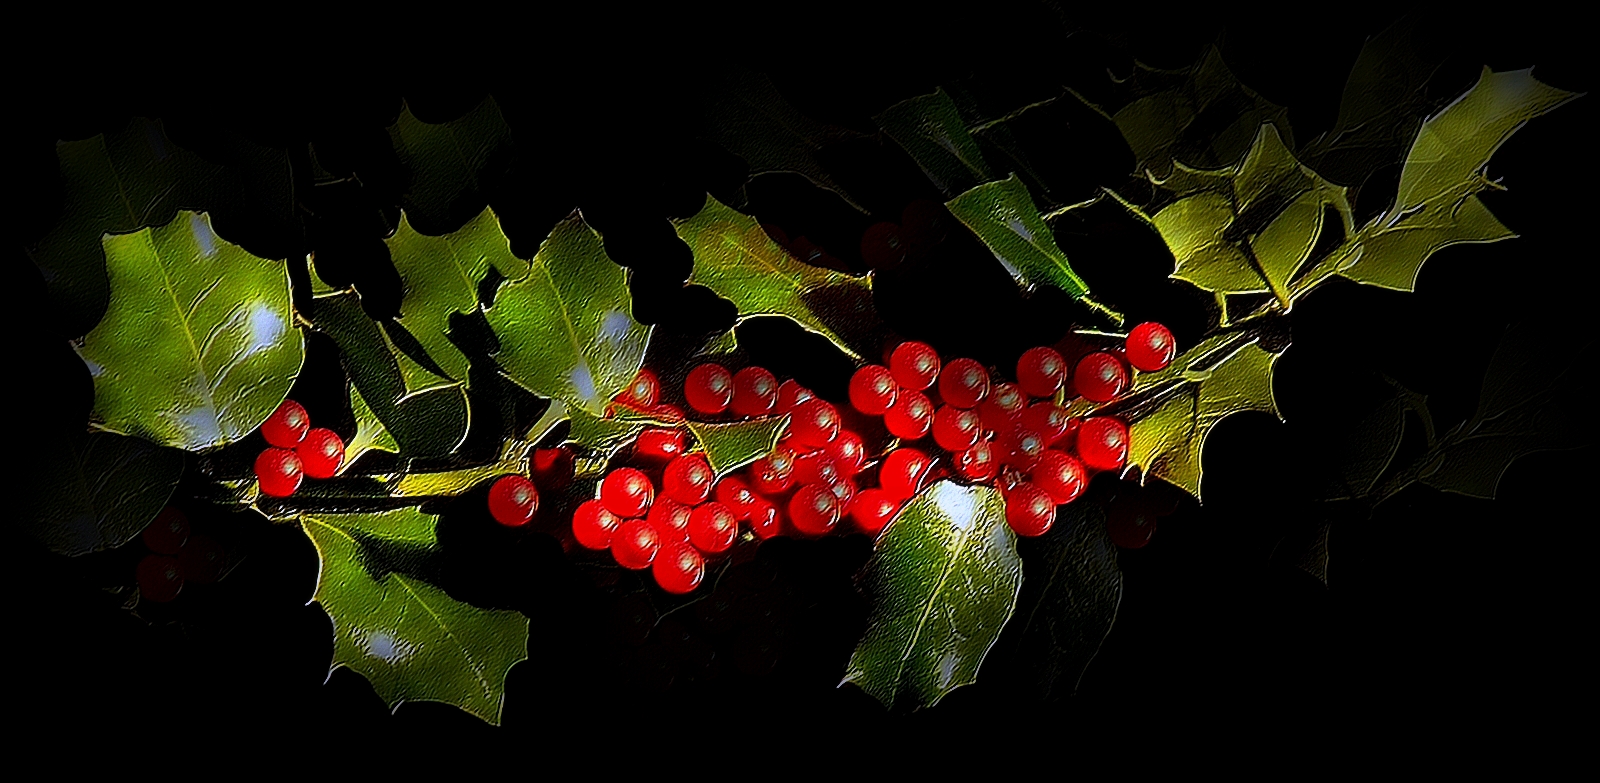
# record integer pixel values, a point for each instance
(201, 423)
(203, 234)
(266, 327)
(382, 645)
(614, 327)
(957, 504)
(583, 383)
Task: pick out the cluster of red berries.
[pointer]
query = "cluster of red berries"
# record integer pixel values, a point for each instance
(295, 450)
(1014, 434)
(176, 557)
(514, 499)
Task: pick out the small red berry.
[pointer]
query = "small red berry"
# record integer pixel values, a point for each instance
(167, 532)
(678, 568)
(202, 560)
(321, 453)
(978, 463)
(1103, 443)
(872, 509)
(644, 391)
(1129, 528)
(627, 492)
(1048, 419)
(594, 525)
(712, 528)
(160, 578)
(709, 388)
(773, 473)
(914, 365)
(844, 490)
(911, 417)
(955, 429)
(553, 468)
(660, 443)
(670, 518)
(815, 468)
(814, 423)
(1022, 447)
(279, 471)
(513, 501)
(668, 412)
(882, 247)
(814, 510)
(1150, 347)
(287, 425)
(903, 472)
(635, 544)
(1029, 510)
(1002, 408)
(736, 495)
(790, 395)
(872, 390)
(1060, 476)
(1041, 371)
(1100, 377)
(765, 519)
(848, 452)
(755, 392)
(688, 479)
(964, 383)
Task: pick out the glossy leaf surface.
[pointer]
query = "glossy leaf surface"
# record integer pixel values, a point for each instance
(1003, 215)
(450, 164)
(95, 491)
(734, 445)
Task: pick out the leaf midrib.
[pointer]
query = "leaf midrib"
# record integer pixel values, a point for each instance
(944, 576)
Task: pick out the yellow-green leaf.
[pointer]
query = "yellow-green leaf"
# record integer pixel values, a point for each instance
(734, 445)
(943, 578)
(566, 330)
(198, 344)
(370, 435)
(736, 259)
(411, 640)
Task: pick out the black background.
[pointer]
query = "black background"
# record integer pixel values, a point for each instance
(1444, 616)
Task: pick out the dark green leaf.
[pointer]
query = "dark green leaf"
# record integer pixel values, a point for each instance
(933, 132)
(736, 444)
(943, 579)
(450, 165)
(1003, 215)
(95, 491)
(1071, 597)
(1383, 103)
(370, 435)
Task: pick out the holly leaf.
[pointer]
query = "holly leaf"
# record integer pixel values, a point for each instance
(736, 259)
(425, 414)
(1069, 606)
(411, 640)
(441, 277)
(449, 163)
(565, 328)
(943, 579)
(1383, 103)
(1436, 205)
(198, 345)
(1003, 215)
(95, 491)
(931, 130)
(1174, 410)
(734, 445)
(370, 435)
(1207, 119)
(1251, 227)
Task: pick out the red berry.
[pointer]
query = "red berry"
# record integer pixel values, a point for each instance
(911, 417)
(1022, 447)
(815, 468)
(903, 472)
(1002, 408)
(167, 532)
(765, 519)
(1060, 476)
(627, 492)
(814, 423)
(594, 525)
(1041, 371)
(755, 392)
(552, 468)
(644, 391)
(914, 365)
(670, 518)
(1048, 419)
(955, 429)
(160, 578)
(848, 452)
(814, 510)
(872, 509)
(1100, 377)
(1129, 528)
(287, 425)
(321, 453)
(844, 490)
(712, 528)
(666, 412)
(660, 443)
(882, 247)
(736, 495)
(790, 395)
(678, 568)
(279, 471)
(635, 544)
(709, 388)
(688, 479)
(1103, 443)
(872, 390)
(773, 473)
(978, 463)
(1029, 510)
(964, 383)
(202, 560)
(513, 501)
(1150, 347)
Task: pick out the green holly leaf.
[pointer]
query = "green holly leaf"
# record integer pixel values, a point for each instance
(943, 579)
(1003, 215)
(1068, 606)
(1384, 102)
(932, 131)
(411, 640)
(441, 276)
(449, 164)
(1436, 205)
(566, 331)
(426, 415)
(734, 445)
(370, 435)
(1202, 117)
(738, 261)
(1174, 409)
(1251, 227)
(198, 344)
(95, 491)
